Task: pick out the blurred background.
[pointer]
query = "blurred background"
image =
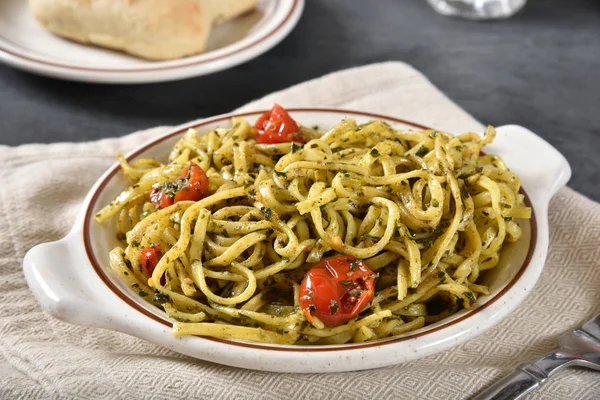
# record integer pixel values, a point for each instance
(539, 69)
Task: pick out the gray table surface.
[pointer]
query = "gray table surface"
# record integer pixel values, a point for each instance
(539, 69)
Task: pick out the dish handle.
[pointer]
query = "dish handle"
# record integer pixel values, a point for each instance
(59, 281)
(542, 168)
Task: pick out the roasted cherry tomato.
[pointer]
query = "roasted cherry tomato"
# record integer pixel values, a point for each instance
(196, 187)
(276, 126)
(149, 258)
(191, 185)
(160, 198)
(336, 290)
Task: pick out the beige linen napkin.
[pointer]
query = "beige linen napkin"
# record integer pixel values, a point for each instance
(43, 358)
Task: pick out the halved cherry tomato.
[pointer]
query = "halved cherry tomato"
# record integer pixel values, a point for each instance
(276, 126)
(336, 290)
(149, 258)
(191, 185)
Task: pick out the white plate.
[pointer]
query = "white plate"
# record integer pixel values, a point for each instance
(88, 292)
(26, 45)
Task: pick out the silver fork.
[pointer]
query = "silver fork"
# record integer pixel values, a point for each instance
(579, 347)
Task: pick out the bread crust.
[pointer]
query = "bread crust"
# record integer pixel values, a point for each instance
(151, 29)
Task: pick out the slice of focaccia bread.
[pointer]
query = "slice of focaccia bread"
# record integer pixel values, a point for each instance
(151, 29)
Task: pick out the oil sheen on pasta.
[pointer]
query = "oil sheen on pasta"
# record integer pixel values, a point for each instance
(426, 211)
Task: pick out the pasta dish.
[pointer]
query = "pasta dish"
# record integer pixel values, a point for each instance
(281, 233)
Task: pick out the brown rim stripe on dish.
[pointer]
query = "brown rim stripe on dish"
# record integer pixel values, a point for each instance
(150, 69)
(96, 265)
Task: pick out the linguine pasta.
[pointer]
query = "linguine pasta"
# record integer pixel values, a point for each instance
(426, 211)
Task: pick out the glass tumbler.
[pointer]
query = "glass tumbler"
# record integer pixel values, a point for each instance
(478, 9)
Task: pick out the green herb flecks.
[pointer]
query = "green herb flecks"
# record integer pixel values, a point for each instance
(354, 262)
(422, 151)
(333, 307)
(268, 213)
(160, 297)
(441, 277)
(470, 296)
(464, 191)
